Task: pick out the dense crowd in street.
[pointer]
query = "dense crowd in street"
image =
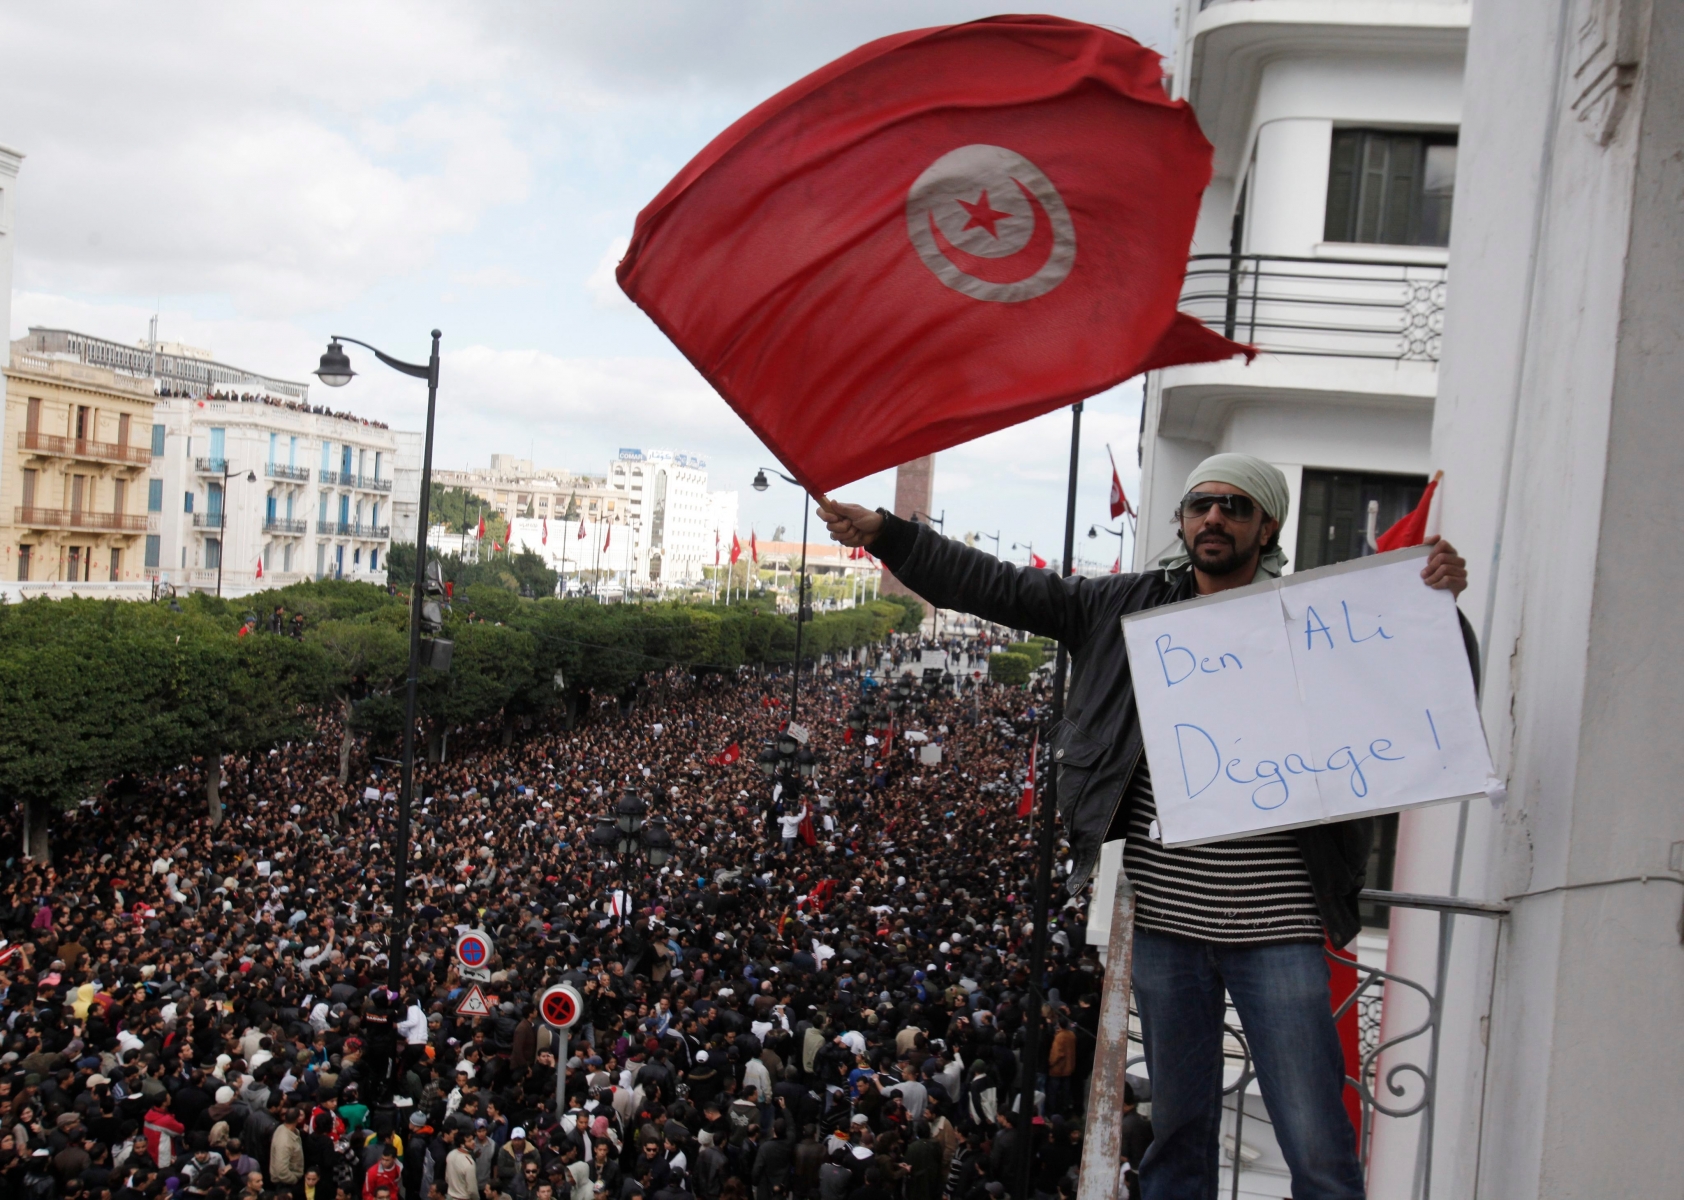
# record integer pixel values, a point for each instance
(819, 995)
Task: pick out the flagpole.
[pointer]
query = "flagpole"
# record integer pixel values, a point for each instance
(1044, 855)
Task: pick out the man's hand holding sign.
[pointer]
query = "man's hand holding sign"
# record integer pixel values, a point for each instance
(948, 232)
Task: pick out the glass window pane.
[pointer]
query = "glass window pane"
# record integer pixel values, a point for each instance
(1437, 193)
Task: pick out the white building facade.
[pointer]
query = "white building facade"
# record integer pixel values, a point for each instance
(1323, 240)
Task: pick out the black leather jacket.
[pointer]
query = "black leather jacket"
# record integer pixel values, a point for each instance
(1098, 745)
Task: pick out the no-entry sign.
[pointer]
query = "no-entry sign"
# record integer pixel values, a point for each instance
(560, 1006)
(473, 949)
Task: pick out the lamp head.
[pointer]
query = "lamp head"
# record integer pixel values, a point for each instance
(251, 476)
(335, 369)
(760, 482)
(1093, 531)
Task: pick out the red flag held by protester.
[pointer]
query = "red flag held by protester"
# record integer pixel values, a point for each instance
(1026, 802)
(736, 549)
(727, 756)
(1036, 561)
(944, 233)
(821, 894)
(1412, 529)
(806, 831)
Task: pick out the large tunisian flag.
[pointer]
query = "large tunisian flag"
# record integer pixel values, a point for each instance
(943, 233)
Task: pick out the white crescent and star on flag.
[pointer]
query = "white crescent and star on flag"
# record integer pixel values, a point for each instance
(989, 224)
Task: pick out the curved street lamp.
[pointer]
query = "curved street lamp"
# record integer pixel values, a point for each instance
(760, 484)
(335, 371)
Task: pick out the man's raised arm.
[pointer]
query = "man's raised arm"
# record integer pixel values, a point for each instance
(949, 574)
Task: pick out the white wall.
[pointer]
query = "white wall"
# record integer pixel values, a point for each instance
(1558, 417)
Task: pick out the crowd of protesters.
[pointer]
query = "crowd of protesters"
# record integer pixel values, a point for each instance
(273, 401)
(819, 996)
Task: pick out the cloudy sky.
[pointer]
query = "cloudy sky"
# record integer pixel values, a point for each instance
(262, 174)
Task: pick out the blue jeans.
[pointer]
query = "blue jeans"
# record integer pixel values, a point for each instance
(1281, 995)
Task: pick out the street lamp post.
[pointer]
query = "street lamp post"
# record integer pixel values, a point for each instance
(1095, 530)
(222, 523)
(628, 831)
(335, 371)
(760, 485)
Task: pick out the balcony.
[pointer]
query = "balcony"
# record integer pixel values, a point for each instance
(209, 520)
(1324, 307)
(286, 525)
(79, 520)
(84, 448)
(370, 484)
(210, 466)
(337, 479)
(289, 474)
(353, 529)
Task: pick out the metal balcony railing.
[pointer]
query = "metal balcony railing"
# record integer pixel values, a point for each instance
(1327, 307)
(371, 484)
(84, 448)
(288, 525)
(30, 517)
(209, 520)
(1399, 1087)
(291, 474)
(210, 466)
(353, 529)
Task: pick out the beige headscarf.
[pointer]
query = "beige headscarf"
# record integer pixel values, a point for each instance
(1262, 481)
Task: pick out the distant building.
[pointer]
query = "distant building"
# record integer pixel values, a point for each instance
(246, 482)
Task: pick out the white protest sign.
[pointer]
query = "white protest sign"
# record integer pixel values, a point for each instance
(1334, 693)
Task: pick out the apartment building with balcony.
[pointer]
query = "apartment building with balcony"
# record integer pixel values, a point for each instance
(1322, 240)
(244, 484)
(74, 474)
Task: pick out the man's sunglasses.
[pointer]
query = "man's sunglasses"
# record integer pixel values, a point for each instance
(1197, 504)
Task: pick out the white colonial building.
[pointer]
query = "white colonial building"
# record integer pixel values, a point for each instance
(245, 471)
(1323, 240)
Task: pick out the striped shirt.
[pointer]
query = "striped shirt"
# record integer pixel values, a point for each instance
(1251, 890)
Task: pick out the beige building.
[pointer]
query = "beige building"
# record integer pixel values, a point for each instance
(73, 484)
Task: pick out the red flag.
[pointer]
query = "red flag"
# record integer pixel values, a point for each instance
(1117, 567)
(1412, 529)
(495, 547)
(1036, 561)
(545, 540)
(580, 536)
(943, 233)
(753, 548)
(727, 756)
(607, 536)
(736, 549)
(260, 567)
(716, 547)
(821, 894)
(1026, 802)
(481, 534)
(806, 831)
(1119, 500)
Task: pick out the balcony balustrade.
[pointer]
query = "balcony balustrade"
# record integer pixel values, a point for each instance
(1327, 307)
(81, 520)
(51, 445)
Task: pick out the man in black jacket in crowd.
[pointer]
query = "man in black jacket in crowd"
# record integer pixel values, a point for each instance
(1247, 915)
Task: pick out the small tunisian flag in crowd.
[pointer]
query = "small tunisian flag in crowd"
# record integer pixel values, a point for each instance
(727, 756)
(1412, 529)
(943, 233)
(1119, 499)
(1026, 802)
(1036, 561)
(805, 830)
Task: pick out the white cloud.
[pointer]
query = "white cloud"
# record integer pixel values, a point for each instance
(601, 284)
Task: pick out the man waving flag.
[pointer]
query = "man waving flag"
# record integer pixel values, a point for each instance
(943, 233)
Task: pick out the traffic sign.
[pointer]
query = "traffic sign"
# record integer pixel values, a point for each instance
(561, 1006)
(474, 949)
(473, 1004)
